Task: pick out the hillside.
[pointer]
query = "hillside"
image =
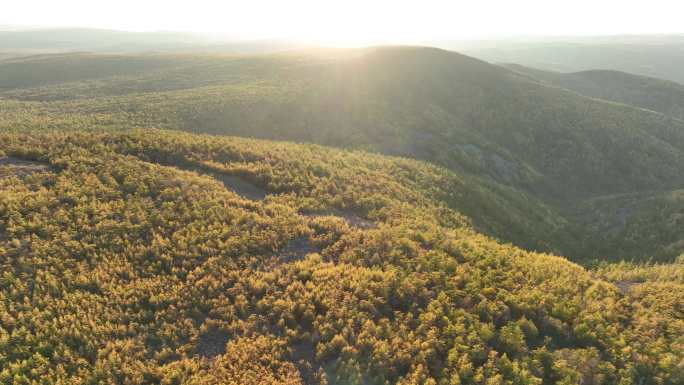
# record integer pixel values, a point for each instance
(634, 225)
(650, 93)
(158, 257)
(418, 102)
(532, 147)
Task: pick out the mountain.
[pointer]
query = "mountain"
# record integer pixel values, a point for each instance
(418, 102)
(387, 215)
(533, 147)
(659, 56)
(56, 40)
(82, 39)
(160, 257)
(650, 93)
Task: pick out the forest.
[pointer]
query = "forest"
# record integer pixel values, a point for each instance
(138, 258)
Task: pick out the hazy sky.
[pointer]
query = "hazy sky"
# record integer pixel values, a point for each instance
(357, 21)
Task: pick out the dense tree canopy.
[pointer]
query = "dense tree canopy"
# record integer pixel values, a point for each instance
(147, 257)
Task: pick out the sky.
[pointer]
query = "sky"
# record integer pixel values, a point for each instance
(356, 21)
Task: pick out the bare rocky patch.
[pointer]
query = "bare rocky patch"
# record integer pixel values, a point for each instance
(240, 186)
(11, 166)
(353, 219)
(625, 286)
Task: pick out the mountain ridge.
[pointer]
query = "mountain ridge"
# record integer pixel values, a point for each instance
(527, 141)
(639, 91)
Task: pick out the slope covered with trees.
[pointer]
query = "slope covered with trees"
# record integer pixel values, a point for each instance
(132, 258)
(419, 102)
(650, 93)
(533, 147)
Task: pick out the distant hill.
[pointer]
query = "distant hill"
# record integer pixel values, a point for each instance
(654, 94)
(543, 147)
(75, 39)
(112, 41)
(660, 56)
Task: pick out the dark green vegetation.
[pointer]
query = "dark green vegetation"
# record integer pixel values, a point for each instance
(650, 93)
(540, 153)
(127, 259)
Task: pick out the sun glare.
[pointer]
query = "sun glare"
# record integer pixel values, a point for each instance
(353, 22)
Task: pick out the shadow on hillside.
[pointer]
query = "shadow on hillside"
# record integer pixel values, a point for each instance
(304, 357)
(312, 371)
(212, 343)
(240, 186)
(295, 250)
